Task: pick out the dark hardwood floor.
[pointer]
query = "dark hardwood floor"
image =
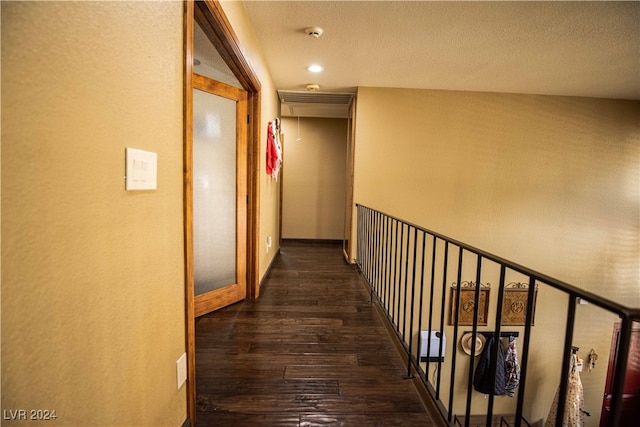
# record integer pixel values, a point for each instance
(311, 351)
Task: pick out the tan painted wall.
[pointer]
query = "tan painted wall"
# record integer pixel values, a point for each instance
(269, 189)
(314, 178)
(549, 182)
(92, 284)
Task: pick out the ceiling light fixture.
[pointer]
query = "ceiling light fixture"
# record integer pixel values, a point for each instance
(315, 68)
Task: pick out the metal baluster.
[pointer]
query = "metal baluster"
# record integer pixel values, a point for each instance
(383, 289)
(406, 283)
(455, 334)
(413, 294)
(395, 270)
(624, 342)
(374, 251)
(424, 246)
(566, 360)
(524, 360)
(474, 329)
(398, 284)
(442, 310)
(433, 274)
(493, 369)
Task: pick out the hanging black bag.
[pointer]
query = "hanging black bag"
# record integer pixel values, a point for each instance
(482, 377)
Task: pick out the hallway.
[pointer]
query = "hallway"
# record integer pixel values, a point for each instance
(311, 351)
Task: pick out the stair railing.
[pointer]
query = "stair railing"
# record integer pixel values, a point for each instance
(400, 261)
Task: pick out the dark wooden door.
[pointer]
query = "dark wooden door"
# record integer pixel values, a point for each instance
(631, 394)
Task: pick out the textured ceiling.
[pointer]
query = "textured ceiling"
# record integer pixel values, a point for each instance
(555, 48)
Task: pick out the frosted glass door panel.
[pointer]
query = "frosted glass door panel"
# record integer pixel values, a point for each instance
(214, 191)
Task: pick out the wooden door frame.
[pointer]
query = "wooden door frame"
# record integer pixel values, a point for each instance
(216, 26)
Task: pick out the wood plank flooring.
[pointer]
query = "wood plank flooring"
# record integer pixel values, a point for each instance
(311, 351)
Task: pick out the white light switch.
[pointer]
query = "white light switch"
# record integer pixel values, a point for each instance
(141, 170)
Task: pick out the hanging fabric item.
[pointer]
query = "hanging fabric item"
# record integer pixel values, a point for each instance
(274, 149)
(512, 368)
(482, 378)
(574, 406)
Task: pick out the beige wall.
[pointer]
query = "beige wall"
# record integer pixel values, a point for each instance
(549, 182)
(314, 178)
(93, 275)
(269, 189)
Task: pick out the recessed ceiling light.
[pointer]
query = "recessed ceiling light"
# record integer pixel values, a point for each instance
(315, 68)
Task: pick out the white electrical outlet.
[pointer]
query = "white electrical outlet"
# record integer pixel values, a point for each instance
(268, 243)
(181, 366)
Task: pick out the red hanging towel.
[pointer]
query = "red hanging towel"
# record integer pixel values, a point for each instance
(274, 151)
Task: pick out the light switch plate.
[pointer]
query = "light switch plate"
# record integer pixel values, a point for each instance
(141, 170)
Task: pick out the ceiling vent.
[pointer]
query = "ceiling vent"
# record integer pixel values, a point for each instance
(315, 104)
